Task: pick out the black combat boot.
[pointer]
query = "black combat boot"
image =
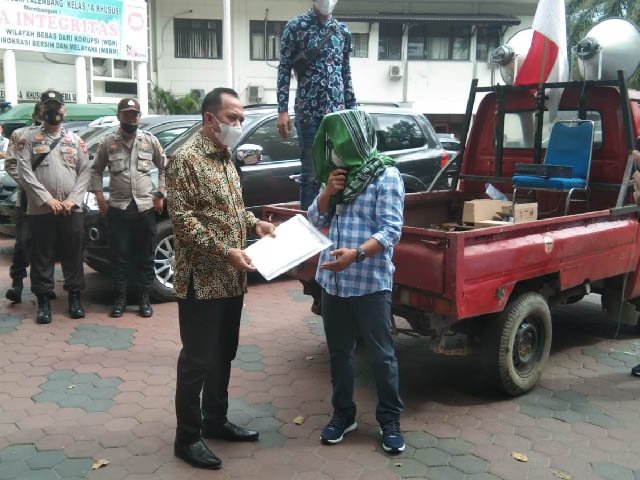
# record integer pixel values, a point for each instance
(119, 303)
(15, 292)
(44, 309)
(75, 307)
(144, 307)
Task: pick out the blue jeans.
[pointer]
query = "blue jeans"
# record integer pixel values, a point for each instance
(371, 315)
(306, 127)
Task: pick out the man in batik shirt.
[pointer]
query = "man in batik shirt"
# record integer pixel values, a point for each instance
(211, 226)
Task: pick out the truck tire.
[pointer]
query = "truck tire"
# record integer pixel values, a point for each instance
(518, 344)
(164, 262)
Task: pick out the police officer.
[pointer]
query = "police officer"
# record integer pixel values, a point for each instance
(54, 171)
(20, 260)
(130, 154)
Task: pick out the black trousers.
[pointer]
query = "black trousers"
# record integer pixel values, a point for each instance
(131, 234)
(54, 236)
(209, 330)
(21, 249)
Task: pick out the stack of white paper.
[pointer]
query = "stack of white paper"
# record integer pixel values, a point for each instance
(296, 240)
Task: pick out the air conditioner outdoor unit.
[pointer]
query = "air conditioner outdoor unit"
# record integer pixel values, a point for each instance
(395, 72)
(255, 93)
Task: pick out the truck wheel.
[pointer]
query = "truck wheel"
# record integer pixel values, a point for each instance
(164, 262)
(519, 341)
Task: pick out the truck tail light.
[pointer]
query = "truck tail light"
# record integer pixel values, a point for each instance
(445, 159)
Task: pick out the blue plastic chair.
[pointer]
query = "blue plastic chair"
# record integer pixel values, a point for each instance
(570, 145)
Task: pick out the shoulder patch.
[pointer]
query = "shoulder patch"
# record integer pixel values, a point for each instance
(21, 143)
(83, 146)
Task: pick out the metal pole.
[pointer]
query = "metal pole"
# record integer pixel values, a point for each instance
(226, 42)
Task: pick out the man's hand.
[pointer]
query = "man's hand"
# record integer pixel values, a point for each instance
(239, 260)
(636, 158)
(344, 258)
(265, 228)
(103, 205)
(284, 124)
(68, 206)
(157, 205)
(55, 206)
(336, 182)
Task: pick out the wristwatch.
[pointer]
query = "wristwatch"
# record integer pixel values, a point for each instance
(360, 255)
(158, 194)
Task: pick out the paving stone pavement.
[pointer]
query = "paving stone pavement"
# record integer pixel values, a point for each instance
(77, 391)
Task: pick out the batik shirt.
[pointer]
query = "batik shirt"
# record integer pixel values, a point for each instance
(326, 85)
(204, 198)
(377, 213)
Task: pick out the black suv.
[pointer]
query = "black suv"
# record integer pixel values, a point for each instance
(271, 176)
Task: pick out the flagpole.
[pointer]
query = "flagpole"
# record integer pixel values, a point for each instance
(537, 153)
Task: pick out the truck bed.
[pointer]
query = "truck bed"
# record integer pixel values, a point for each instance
(457, 272)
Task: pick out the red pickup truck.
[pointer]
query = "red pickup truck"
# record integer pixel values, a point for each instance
(492, 287)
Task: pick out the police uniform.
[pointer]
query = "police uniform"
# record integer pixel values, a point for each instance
(131, 216)
(62, 175)
(21, 249)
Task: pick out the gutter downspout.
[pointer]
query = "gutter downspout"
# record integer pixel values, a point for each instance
(405, 62)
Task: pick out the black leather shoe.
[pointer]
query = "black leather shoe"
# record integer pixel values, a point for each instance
(635, 371)
(232, 433)
(15, 292)
(75, 307)
(144, 307)
(197, 454)
(44, 309)
(119, 304)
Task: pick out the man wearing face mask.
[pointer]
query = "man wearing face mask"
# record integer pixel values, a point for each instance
(130, 154)
(22, 247)
(210, 225)
(54, 170)
(324, 81)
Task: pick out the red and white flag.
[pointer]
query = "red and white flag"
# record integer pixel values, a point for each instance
(546, 60)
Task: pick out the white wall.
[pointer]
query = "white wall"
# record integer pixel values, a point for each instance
(432, 87)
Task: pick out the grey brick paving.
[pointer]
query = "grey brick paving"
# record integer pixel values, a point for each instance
(248, 358)
(315, 324)
(612, 471)
(111, 338)
(8, 323)
(566, 405)
(260, 417)
(25, 462)
(87, 391)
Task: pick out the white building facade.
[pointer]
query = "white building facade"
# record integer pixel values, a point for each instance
(417, 53)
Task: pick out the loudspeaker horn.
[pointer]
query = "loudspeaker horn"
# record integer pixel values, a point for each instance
(611, 45)
(509, 57)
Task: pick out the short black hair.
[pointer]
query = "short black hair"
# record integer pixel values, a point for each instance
(213, 99)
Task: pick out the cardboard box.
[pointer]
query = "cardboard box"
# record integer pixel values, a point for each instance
(475, 211)
(524, 212)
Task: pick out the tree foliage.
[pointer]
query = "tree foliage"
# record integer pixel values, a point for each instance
(584, 14)
(165, 102)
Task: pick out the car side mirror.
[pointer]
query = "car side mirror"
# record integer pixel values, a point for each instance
(249, 154)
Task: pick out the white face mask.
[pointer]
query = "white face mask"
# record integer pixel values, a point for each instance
(229, 135)
(325, 7)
